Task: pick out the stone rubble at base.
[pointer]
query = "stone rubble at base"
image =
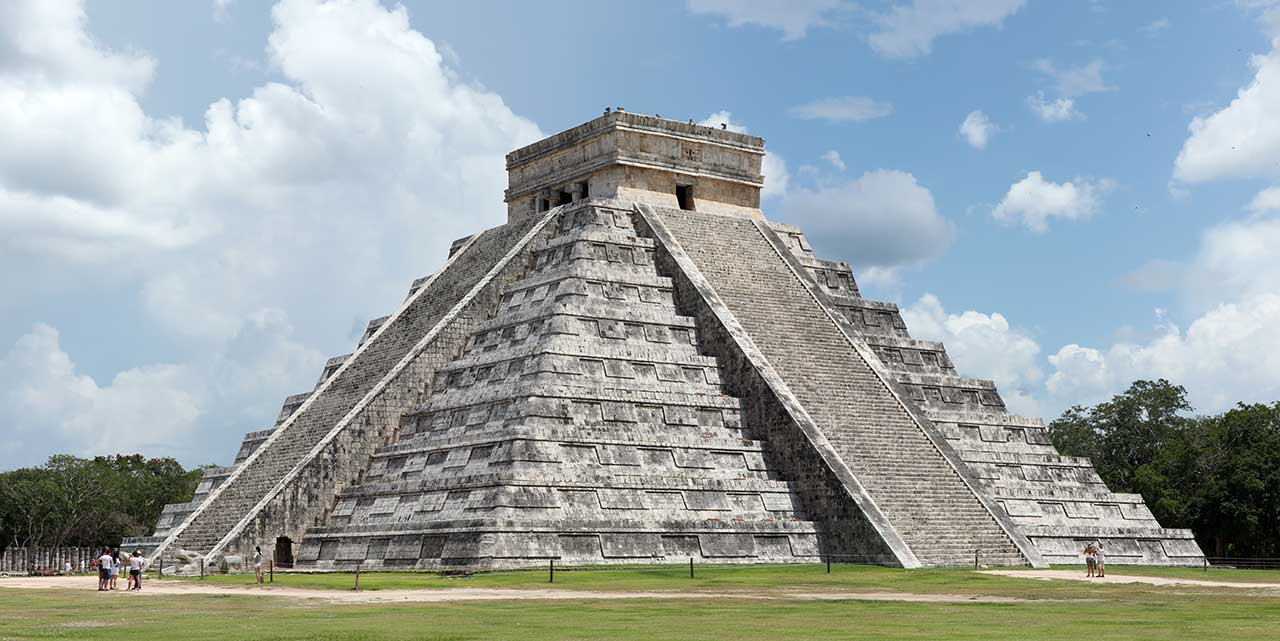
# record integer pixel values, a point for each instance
(639, 367)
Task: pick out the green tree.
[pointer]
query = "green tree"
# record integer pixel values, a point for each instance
(89, 502)
(1237, 508)
(1126, 432)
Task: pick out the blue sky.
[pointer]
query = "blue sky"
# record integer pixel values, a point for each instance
(199, 202)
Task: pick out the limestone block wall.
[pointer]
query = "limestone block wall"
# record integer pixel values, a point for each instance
(290, 480)
(906, 472)
(1059, 503)
(581, 423)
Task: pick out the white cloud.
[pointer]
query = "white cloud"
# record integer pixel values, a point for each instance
(774, 167)
(833, 158)
(977, 129)
(1230, 354)
(1073, 82)
(884, 219)
(222, 9)
(304, 195)
(1033, 201)
(842, 109)
(1235, 261)
(1155, 27)
(983, 346)
(908, 30)
(46, 402)
(1242, 139)
(793, 18)
(1058, 110)
(1265, 201)
(159, 409)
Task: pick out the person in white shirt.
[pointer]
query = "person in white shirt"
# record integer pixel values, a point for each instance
(104, 570)
(257, 562)
(115, 567)
(135, 570)
(1101, 559)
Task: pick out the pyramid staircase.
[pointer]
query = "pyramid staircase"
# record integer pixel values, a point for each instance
(581, 423)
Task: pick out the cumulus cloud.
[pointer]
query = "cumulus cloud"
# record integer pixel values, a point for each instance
(1230, 354)
(1267, 200)
(774, 167)
(1155, 27)
(47, 402)
(842, 109)
(303, 195)
(833, 158)
(977, 129)
(1033, 201)
(1242, 139)
(794, 19)
(50, 407)
(1058, 110)
(1073, 82)
(1235, 261)
(882, 220)
(983, 346)
(1230, 349)
(908, 30)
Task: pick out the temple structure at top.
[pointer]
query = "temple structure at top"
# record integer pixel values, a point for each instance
(640, 367)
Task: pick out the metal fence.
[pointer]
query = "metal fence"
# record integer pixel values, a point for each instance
(1255, 563)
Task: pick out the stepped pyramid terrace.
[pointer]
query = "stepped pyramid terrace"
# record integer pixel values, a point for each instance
(640, 367)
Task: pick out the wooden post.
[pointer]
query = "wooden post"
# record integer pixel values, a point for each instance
(975, 559)
(160, 567)
(1206, 564)
(202, 568)
(828, 564)
(357, 577)
(271, 570)
(552, 575)
(690, 567)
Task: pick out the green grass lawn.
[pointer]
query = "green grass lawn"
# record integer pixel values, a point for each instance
(1058, 609)
(721, 578)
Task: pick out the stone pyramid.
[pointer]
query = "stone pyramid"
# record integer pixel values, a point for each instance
(639, 367)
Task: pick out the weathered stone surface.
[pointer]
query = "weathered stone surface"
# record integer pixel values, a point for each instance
(609, 379)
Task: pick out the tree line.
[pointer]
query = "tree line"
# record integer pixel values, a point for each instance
(71, 501)
(1218, 475)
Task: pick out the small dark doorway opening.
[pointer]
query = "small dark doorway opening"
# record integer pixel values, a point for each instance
(543, 205)
(684, 195)
(564, 198)
(284, 552)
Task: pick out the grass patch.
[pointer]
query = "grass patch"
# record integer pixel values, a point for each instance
(1059, 609)
(737, 578)
(47, 615)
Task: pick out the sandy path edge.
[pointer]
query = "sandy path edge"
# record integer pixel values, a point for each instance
(445, 595)
(1078, 575)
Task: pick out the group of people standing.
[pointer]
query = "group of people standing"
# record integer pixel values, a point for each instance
(111, 565)
(1095, 559)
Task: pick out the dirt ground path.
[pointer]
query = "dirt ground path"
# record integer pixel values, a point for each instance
(1077, 575)
(445, 595)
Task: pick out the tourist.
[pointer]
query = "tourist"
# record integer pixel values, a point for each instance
(135, 570)
(66, 568)
(257, 562)
(114, 572)
(1101, 561)
(104, 570)
(1090, 561)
